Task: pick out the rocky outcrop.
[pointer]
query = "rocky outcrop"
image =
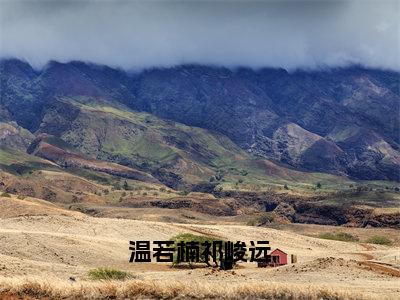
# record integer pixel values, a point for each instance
(15, 137)
(317, 209)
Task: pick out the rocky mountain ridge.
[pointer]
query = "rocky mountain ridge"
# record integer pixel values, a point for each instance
(340, 121)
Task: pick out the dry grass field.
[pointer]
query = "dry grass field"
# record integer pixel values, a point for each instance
(43, 246)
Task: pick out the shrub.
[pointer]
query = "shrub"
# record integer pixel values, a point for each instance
(116, 186)
(244, 173)
(263, 218)
(266, 217)
(218, 189)
(319, 185)
(49, 194)
(126, 186)
(380, 240)
(338, 236)
(108, 274)
(286, 187)
(5, 195)
(21, 197)
(219, 175)
(162, 189)
(183, 193)
(144, 194)
(251, 222)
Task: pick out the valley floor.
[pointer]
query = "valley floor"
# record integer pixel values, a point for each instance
(40, 251)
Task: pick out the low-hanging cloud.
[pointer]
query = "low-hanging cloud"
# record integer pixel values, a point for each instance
(140, 34)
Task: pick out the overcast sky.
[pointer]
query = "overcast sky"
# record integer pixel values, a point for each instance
(137, 34)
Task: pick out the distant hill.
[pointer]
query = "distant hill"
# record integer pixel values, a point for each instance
(189, 123)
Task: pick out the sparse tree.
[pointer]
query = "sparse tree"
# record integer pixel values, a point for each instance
(126, 186)
(183, 193)
(218, 189)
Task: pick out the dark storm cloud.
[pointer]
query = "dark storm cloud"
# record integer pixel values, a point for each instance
(136, 34)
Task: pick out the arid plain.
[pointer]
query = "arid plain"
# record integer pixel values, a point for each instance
(48, 250)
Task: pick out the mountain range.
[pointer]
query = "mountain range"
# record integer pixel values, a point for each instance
(192, 123)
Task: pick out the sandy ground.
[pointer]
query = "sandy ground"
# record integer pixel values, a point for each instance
(46, 241)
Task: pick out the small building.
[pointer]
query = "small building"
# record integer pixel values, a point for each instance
(277, 258)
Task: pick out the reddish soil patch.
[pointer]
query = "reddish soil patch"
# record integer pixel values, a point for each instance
(377, 267)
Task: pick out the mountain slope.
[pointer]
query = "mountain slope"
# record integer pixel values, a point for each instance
(310, 120)
(176, 154)
(253, 108)
(179, 156)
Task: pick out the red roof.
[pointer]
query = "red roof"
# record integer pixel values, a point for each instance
(278, 250)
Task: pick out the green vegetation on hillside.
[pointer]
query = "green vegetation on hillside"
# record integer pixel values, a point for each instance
(20, 163)
(261, 219)
(150, 143)
(108, 274)
(339, 236)
(176, 154)
(380, 240)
